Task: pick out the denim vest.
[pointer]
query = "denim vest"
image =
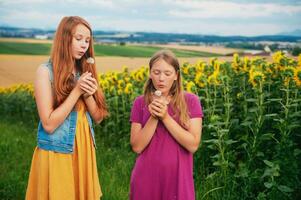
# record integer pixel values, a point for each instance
(62, 139)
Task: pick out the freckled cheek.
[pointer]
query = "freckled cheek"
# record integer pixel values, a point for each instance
(87, 47)
(170, 82)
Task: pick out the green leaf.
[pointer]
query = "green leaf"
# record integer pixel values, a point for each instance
(271, 115)
(274, 99)
(214, 141)
(251, 100)
(230, 141)
(216, 163)
(260, 154)
(267, 136)
(246, 123)
(285, 189)
(268, 163)
(253, 109)
(268, 185)
(297, 152)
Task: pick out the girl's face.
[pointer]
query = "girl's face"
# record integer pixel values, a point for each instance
(163, 75)
(80, 41)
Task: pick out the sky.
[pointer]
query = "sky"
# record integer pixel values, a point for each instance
(217, 17)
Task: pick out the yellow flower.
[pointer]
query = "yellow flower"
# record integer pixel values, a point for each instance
(236, 62)
(269, 69)
(190, 87)
(289, 71)
(200, 66)
(185, 69)
(246, 64)
(140, 74)
(278, 56)
(217, 65)
(113, 77)
(121, 84)
(125, 69)
(127, 79)
(297, 76)
(128, 88)
(213, 78)
(119, 91)
(255, 76)
(287, 81)
(200, 79)
(104, 84)
(112, 89)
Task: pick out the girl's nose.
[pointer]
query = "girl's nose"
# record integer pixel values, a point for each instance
(161, 77)
(84, 45)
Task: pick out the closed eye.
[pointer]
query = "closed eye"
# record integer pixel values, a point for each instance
(157, 72)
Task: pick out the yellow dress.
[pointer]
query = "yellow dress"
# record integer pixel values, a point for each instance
(57, 176)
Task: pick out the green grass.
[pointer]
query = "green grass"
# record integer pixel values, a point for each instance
(24, 48)
(17, 143)
(100, 50)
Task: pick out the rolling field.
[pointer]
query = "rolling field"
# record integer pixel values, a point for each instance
(16, 69)
(27, 48)
(20, 57)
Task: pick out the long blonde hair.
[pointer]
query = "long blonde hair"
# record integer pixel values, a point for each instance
(178, 101)
(63, 62)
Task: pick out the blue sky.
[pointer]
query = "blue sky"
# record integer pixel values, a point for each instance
(219, 17)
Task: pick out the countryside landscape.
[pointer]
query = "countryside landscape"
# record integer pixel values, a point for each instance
(249, 88)
(237, 152)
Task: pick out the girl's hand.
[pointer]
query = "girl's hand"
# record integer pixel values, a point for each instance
(150, 109)
(159, 108)
(80, 81)
(89, 86)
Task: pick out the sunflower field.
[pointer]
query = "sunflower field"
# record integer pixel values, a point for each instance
(251, 137)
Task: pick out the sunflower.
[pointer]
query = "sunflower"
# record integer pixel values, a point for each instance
(121, 84)
(213, 78)
(278, 56)
(200, 79)
(119, 91)
(104, 84)
(255, 77)
(246, 65)
(125, 69)
(128, 88)
(200, 66)
(127, 79)
(185, 70)
(190, 87)
(289, 71)
(297, 76)
(235, 63)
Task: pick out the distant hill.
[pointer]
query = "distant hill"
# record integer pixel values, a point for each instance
(148, 37)
(293, 33)
(24, 32)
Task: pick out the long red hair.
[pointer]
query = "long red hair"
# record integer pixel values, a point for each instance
(63, 62)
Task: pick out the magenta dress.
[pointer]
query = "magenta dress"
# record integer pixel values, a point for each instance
(164, 170)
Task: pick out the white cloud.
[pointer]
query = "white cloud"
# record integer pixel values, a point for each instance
(186, 16)
(226, 9)
(30, 19)
(197, 27)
